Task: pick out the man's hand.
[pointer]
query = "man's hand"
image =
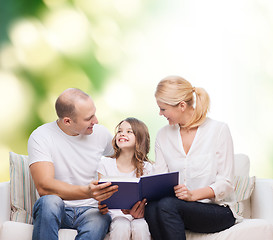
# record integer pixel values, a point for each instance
(103, 208)
(101, 191)
(137, 211)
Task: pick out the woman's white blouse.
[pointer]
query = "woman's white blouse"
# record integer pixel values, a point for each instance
(209, 162)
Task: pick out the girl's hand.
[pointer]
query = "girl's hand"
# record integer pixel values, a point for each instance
(103, 208)
(137, 210)
(183, 193)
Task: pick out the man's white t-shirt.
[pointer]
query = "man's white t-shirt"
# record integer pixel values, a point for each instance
(75, 158)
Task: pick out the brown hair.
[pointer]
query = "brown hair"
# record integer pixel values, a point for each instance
(142, 147)
(174, 89)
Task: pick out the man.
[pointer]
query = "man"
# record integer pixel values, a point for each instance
(63, 161)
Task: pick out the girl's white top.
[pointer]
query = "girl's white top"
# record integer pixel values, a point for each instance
(108, 167)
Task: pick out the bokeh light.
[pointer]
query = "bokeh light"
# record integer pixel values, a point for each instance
(117, 51)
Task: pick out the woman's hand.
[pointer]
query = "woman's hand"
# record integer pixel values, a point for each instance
(183, 193)
(137, 211)
(103, 208)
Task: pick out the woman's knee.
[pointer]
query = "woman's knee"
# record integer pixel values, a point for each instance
(167, 204)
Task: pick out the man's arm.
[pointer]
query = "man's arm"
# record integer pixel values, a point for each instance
(43, 177)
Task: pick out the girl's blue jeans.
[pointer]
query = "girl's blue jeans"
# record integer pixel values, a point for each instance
(170, 217)
(50, 215)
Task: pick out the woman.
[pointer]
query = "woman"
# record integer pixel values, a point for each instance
(201, 149)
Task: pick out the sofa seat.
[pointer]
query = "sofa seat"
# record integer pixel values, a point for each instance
(22, 231)
(257, 225)
(249, 229)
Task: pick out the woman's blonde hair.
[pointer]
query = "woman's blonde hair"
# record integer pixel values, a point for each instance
(172, 90)
(142, 146)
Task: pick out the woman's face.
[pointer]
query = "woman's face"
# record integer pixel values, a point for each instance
(172, 113)
(125, 137)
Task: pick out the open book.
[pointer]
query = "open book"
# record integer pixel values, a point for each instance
(131, 190)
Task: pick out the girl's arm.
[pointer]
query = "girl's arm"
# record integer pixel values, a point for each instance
(137, 211)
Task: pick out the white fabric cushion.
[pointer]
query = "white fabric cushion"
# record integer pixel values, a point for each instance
(16, 230)
(242, 165)
(249, 229)
(22, 189)
(244, 187)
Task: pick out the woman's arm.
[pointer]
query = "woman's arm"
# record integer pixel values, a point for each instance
(222, 186)
(183, 193)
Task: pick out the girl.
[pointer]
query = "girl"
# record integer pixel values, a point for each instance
(201, 149)
(131, 145)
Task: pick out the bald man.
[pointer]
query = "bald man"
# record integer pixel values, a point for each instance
(63, 161)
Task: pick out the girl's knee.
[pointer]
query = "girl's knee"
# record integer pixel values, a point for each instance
(120, 228)
(139, 225)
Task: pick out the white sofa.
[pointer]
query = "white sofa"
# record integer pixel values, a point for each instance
(258, 210)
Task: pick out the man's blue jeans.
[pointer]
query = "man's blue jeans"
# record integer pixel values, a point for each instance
(50, 214)
(170, 217)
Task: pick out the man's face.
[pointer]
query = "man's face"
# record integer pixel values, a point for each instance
(85, 117)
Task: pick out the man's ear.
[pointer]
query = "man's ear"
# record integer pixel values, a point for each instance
(182, 105)
(67, 120)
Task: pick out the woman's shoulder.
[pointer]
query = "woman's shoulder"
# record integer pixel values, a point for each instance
(211, 125)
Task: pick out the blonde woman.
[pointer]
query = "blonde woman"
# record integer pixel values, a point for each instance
(201, 149)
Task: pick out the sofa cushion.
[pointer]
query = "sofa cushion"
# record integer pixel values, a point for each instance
(242, 164)
(17, 230)
(22, 189)
(244, 187)
(248, 229)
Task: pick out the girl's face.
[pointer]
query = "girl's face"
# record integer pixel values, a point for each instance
(172, 113)
(125, 137)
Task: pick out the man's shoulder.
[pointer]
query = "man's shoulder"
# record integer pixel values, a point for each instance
(46, 128)
(101, 130)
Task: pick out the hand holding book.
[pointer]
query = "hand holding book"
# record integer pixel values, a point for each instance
(132, 190)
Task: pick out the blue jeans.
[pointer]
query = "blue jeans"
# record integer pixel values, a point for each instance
(169, 217)
(50, 214)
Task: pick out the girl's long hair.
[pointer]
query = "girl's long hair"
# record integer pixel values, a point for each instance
(142, 146)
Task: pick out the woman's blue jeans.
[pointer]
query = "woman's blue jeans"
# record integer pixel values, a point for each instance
(169, 217)
(50, 214)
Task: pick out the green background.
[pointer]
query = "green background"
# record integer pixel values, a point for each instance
(118, 50)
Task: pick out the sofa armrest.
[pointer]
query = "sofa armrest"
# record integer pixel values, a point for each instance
(262, 199)
(4, 202)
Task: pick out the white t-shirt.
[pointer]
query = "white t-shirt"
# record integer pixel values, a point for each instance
(108, 167)
(75, 158)
(209, 162)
